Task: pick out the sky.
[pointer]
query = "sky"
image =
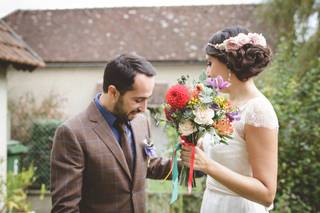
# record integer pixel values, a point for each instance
(8, 6)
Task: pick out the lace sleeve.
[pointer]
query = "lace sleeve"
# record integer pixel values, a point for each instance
(260, 113)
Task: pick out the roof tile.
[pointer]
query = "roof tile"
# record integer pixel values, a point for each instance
(14, 50)
(157, 33)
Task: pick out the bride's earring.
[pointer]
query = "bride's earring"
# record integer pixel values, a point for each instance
(229, 75)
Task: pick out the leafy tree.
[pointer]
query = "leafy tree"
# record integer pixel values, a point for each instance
(292, 83)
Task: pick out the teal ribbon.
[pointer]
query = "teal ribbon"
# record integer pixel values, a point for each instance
(175, 174)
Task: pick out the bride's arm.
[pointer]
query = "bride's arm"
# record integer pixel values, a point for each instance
(262, 149)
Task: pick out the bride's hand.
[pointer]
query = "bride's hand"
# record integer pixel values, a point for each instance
(201, 160)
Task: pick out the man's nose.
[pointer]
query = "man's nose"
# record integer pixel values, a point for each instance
(143, 106)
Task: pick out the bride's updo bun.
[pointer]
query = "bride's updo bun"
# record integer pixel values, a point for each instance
(245, 54)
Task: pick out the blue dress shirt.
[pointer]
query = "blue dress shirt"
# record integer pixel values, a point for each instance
(110, 119)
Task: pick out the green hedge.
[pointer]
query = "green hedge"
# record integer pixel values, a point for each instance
(40, 144)
(294, 89)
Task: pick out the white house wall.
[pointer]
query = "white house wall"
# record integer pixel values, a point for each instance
(75, 85)
(78, 85)
(3, 129)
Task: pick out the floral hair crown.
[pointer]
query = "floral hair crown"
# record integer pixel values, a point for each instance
(235, 43)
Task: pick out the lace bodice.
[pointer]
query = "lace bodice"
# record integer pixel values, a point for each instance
(260, 113)
(257, 112)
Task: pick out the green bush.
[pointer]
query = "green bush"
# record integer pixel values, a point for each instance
(292, 83)
(16, 186)
(295, 93)
(40, 144)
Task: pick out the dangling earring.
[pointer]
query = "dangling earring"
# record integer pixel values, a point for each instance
(229, 75)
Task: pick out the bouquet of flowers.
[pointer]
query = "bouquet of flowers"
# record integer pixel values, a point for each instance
(194, 110)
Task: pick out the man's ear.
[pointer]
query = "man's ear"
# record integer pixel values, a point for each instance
(112, 90)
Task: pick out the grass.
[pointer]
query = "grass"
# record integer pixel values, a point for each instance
(161, 186)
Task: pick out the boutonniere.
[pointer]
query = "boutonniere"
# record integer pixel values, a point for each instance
(149, 149)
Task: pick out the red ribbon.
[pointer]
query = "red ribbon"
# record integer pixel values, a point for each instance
(185, 142)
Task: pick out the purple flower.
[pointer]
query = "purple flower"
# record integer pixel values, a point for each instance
(149, 149)
(215, 106)
(218, 83)
(234, 116)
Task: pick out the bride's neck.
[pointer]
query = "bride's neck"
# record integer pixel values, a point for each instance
(242, 91)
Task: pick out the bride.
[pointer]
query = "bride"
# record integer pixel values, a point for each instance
(241, 176)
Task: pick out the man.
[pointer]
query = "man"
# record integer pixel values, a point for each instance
(98, 163)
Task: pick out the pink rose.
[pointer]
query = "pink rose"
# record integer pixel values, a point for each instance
(257, 39)
(231, 44)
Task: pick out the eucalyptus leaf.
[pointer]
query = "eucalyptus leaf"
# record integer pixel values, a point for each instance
(202, 77)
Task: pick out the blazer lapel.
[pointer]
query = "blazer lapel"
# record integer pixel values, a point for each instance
(104, 132)
(139, 150)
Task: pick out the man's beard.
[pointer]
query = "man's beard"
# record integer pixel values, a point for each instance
(119, 111)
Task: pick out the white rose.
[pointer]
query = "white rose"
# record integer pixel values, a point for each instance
(204, 116)
(186, 128)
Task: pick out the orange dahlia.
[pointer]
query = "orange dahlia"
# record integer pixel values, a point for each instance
(224, 126)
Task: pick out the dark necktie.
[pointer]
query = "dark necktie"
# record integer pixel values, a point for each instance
(124, 143)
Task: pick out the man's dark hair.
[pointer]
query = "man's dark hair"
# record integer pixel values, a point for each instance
(121, 72)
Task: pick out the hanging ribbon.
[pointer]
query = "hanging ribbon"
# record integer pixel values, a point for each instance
(191, 165)
(175, 171)
(175, 175)
(171, 160)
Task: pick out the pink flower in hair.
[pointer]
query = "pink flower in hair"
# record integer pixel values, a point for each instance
(257, 39)
(235, 43)
(242, 39)
(231, 44)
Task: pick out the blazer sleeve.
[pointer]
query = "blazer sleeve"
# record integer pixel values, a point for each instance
(159, 167)
(67, 164)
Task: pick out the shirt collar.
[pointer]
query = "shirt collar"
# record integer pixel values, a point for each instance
(108, 116)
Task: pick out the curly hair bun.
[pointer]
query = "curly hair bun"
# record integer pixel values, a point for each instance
(246, 61)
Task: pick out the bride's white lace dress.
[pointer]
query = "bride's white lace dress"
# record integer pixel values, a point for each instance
(217, 198)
